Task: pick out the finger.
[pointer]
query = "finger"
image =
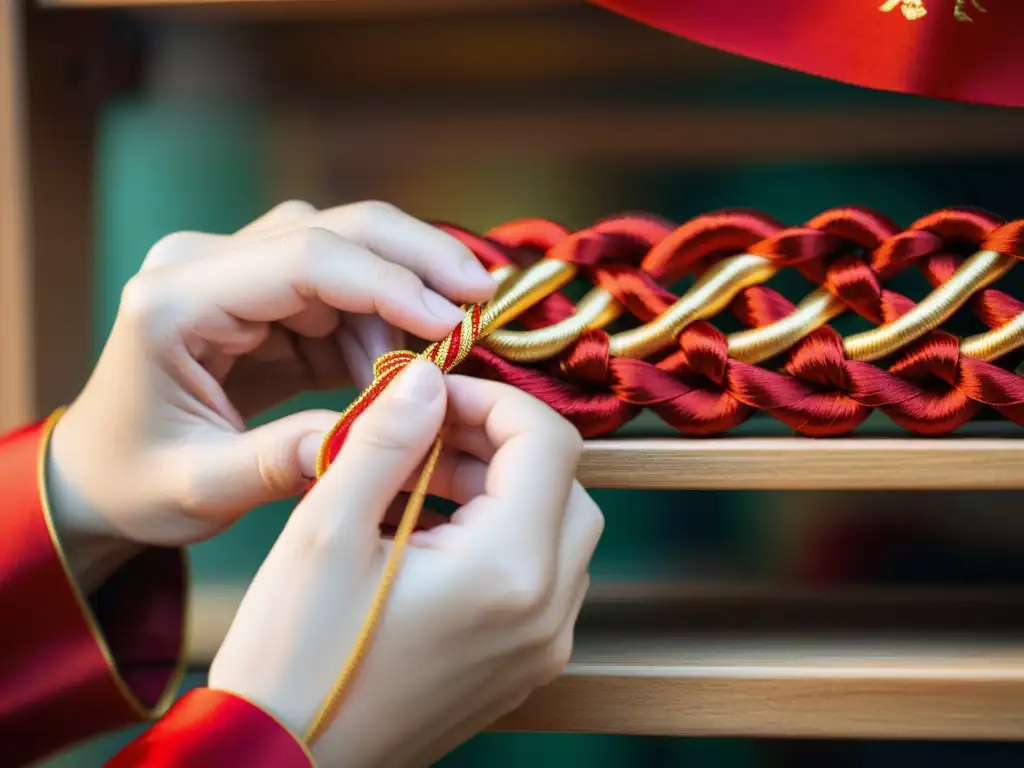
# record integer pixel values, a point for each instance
(290, 212)
(581, 532)
(179, 248)
(221, 297)
(316, 321)
(469, 440)
(375, 336)
(531, 474)
(564, 639)
(357, 362)
(382, 449)
(438, 258)
(265, 464)
(457, 477)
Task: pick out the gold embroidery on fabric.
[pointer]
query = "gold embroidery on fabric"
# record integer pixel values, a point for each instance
(915, 9)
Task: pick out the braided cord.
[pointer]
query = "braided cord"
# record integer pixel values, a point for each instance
(446, 355)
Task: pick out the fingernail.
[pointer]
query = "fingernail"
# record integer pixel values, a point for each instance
(477, 273)
(308, 451)
(420, 382)
(441, 308)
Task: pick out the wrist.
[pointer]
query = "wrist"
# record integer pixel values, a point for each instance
(92, 550)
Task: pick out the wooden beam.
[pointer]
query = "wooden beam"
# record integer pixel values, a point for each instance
(17, 401)
(307, 8)
(801, 463)
(939, 664)
(67, 79)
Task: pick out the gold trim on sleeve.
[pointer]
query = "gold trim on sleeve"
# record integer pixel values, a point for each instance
(178, 673)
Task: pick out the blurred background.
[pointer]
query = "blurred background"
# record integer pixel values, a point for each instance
(567, 112)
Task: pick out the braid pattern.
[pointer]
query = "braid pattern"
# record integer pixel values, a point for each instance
(928, 386)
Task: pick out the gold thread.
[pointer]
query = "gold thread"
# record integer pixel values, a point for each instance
(759, 344)
(362, 644)
(178, 673)
(995, 343)
(525, 289)
(708, 296)
(978, 272)
(712, 294)
(595, 310)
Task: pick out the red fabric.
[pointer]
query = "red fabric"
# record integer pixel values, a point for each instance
(940, 53)
(56, 685)
(213, 729)
(72, 670)
(928, 387)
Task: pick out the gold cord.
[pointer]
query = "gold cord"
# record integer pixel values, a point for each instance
(709, 295)
(712, 293)
(979, 271)
(410, 516)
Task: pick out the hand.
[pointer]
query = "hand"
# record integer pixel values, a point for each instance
(215, 329)
(483, 608)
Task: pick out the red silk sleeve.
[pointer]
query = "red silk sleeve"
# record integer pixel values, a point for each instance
(76, 666)
(73, 667)
(213, 729)
(962, 50)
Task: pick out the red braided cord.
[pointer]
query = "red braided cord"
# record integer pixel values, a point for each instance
(446, 354)
(697, 388)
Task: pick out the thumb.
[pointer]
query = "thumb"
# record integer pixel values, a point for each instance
(269, 463)
(382, 449)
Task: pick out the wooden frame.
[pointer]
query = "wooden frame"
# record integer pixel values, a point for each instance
(16, 382)
(925, 675)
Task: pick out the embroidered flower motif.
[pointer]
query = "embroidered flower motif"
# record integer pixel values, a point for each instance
(915, 9)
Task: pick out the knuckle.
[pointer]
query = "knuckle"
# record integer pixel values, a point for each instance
(559, 654)
(142, 298)
(293, 209)
(517, 592)
(309, 248)
(594, 517)
(369, 213)
(313, 243)
(167, 249)
(565, 438)
(279, 471)
(397, 278)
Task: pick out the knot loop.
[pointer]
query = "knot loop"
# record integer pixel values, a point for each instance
(446, 354)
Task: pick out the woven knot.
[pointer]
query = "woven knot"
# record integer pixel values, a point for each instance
(446, 354)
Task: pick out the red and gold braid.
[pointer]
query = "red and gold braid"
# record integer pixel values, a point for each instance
(931, 384)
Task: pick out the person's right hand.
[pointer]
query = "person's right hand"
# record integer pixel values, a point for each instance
(484, 606)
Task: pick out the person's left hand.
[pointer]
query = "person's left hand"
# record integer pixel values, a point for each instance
(216, 329)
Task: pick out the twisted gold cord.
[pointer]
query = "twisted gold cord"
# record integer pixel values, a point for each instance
(979, 271)
(759, 344)
(712, 293)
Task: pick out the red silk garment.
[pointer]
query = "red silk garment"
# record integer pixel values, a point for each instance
(70, 670)
(947, 49)
(213, 729)
(76, 666)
